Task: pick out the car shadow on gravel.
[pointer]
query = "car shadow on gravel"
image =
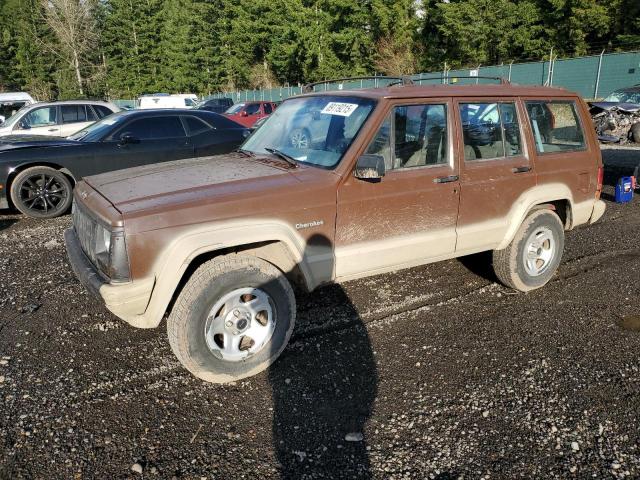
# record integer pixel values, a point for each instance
(481, 264)
(324, 387)
(7, 222)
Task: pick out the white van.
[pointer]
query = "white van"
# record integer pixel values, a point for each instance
(168, 101)
(11, 102)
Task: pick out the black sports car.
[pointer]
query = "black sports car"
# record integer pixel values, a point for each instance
(37, 173)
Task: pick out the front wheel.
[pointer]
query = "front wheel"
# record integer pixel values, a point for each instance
(41, 192)
(232, 319)
(533, 256)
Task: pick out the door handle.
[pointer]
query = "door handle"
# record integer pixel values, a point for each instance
(524, 169)
(53, 129)
(450, 178)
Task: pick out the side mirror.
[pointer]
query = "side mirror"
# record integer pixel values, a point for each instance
(370, 167)
(22, 125)
(244, 114)
(2, 119)
(127, 139)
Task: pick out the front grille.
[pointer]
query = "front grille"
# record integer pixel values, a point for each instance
(86, 229)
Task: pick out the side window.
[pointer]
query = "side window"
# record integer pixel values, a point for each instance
(555, 126)
(41, 117)
(195, 125)
(153, 128)
(91, 114)
(420, 136)
(73, 113)
(102, 111)
(267, 108)
(490, 130)
(381, 144)
(481, 131)
(252, 109)
(510, 129)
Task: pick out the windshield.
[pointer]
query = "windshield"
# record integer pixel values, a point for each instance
(314, 130)
(96, 131)
(236, 108)
(9, 109)
(623, 97)
(14, 118)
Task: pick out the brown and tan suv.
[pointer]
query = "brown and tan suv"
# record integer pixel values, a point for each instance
(387, 178)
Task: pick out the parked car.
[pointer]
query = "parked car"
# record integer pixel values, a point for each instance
(38, 173)
(217, 105)
(617, 117)
(248, 113)
(390, 178)
(11, 102)
(167, 101)
(56, 119)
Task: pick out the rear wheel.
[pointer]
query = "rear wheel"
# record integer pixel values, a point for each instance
(233, 318)
(533, 256)
(41, 192)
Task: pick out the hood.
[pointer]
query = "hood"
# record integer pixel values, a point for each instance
(624, 107)
(160, 185)
(14, 142)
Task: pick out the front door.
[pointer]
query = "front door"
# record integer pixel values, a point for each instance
(141, 142)
(409, 216)
(495, 170)
(39, 121)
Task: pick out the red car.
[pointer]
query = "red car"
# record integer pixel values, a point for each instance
(248, 113)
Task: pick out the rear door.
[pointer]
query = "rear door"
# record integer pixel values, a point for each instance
(495, 169)
(409, 216)
(75, 118)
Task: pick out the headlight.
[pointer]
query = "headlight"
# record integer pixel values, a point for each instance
(111, 254)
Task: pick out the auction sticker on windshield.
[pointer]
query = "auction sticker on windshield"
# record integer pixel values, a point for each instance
(342, 109)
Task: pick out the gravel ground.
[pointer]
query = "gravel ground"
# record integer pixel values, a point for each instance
(435, 372)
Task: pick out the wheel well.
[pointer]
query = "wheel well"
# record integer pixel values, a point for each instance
(274, 252)
(22, 168)
(562, 208)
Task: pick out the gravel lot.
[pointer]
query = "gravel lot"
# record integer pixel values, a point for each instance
(436, 372)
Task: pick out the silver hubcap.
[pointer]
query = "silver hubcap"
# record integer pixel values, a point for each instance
(540, 249)
(299, 139)
(240, 324)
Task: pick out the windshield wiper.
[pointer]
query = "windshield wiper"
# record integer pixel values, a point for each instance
(246, 153)
(287, 158)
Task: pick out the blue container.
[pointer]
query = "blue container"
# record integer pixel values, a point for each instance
(624, 190)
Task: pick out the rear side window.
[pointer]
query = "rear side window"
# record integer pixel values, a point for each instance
(490, 130)
(153, 128)
(73, 113)
(102, 111)
(555, 126)
(252, 109)
(195, 125)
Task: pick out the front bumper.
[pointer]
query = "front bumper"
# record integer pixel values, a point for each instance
(127, 300)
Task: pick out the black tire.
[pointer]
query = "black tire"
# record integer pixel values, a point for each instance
(510, 265)
(42, 192)
(210, 283)
(634, 133)
(300, 138)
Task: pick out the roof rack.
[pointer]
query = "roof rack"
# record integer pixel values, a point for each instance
(404, 80)
(502, 80)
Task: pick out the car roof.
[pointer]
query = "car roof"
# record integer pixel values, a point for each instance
(635, 88)
(72, 102)
(439, 90)
(15, 96)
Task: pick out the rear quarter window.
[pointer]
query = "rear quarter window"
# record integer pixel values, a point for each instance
(556, 126)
